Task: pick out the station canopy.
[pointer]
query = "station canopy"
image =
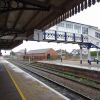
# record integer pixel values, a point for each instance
(19, 18)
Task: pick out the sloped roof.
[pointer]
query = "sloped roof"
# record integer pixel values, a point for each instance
(38, 51)
(81, 24)
(19, 18)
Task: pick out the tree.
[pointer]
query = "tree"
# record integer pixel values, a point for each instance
(94, 53)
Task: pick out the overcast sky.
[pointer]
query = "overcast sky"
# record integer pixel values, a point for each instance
(90, 16)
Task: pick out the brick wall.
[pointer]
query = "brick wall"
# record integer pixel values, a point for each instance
(42, 56)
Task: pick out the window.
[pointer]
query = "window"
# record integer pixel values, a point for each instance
(97, 35)
(68, 25)
(61, 24)
(84, 30)
(77, 28)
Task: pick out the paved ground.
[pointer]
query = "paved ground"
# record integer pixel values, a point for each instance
(30, 88)
(85, 65)
(8, 90)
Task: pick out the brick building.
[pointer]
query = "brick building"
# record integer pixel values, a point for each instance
(41, 54)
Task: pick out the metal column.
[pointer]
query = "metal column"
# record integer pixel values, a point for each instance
(97, 56)
(89, 56)
(0, 53)
(61, 55)
(61, 52)
(80, 55)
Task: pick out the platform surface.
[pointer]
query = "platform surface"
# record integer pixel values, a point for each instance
(30, 87)
(7, 89)
(76, 64)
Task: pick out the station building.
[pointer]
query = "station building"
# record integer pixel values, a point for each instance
(42, 54)
(39, 54)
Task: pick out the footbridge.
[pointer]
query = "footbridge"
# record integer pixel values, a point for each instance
(85, 36)
(66, 37)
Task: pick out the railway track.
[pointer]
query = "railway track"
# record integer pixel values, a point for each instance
(91, 83)
(44, 73)
(83, 80)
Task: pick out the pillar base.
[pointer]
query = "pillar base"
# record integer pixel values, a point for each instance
(61, 59)
(97, 62)
(89, 62)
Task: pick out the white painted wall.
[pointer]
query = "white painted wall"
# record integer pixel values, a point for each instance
(91, 32)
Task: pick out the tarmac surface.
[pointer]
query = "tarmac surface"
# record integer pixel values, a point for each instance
(7, 89)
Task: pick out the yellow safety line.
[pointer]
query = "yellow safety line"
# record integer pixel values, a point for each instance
(17, 87)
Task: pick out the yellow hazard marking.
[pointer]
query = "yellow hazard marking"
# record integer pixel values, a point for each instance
(17, 87)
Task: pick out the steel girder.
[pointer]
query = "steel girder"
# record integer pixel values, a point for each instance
(13, 5)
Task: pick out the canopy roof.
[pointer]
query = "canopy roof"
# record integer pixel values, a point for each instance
(19, 18)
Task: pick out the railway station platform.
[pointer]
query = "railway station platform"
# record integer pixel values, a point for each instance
(76, 64)
(7, 89)
(16, 84)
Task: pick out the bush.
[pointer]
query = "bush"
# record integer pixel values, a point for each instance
(94, 53)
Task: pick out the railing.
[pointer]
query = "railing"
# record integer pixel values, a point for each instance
(64, 36)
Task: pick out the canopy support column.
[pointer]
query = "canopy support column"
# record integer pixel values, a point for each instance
(89, 56)
(80, 54)
(97, 56)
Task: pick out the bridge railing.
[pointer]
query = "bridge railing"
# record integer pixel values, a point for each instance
(64, 36)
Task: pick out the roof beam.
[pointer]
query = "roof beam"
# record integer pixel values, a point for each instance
(17, 19)
(9, 44)
(6, 20)
(35, 3)
(29, 21)
(25, 5)
(10, 29)
(58, 13)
